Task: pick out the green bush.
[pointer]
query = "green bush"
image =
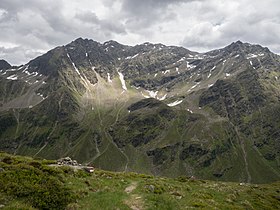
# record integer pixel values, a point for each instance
(41, 190)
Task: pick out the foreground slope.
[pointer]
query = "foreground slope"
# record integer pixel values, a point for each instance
(148, 108)
(27, 183)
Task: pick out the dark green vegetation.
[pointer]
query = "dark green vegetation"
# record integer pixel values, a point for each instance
(27, 183)
(178, 113)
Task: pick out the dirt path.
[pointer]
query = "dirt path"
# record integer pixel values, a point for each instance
(131, 187)
(134, 201)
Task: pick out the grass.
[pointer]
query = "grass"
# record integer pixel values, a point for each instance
(32, 184)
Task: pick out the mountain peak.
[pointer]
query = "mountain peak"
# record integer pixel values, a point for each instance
(111, 42)
(238, 42)
(83, 42)
(240, 46)
(4, 64)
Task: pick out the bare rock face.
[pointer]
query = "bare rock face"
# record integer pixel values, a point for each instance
(4, 64)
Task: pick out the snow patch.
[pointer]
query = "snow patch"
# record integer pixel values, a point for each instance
(42, 96)
(228, 75)
(25, 70)
(145, 96)
(198, 57)
(175, 103)
(33, 74)
(155, 75)
(131, 57)
(251, 56)
(254, 55)
(109, 79)
(210, 73)
(210, 85)
(153, 94)
(137, 88)
(12, 77)
(12, 69)
(165, 72)
(190, 65)
(122, 81)
(73, 64)
(162, 98)
(213, 68)
(193, 86)
(182, 59)
(134, 56)
(189, 110)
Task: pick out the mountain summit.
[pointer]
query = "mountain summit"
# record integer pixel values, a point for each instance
(148, 108)
(4, 64)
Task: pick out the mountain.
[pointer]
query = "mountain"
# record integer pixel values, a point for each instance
(149, 108)
(4, 64)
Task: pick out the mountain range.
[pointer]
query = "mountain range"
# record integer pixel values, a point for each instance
(149, 108)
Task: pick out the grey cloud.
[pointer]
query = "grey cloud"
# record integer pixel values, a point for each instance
(41, 25)
(250, 22)
(88, 17)
(18, 55)
(107, 25)
(145, 13)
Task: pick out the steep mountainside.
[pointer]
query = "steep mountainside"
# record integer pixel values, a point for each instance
(148, 108)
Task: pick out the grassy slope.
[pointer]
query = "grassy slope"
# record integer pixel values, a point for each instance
(28, 183)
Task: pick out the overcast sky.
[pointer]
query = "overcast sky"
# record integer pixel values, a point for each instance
(29, 28)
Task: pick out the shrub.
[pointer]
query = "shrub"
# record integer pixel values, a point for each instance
(40, 189)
